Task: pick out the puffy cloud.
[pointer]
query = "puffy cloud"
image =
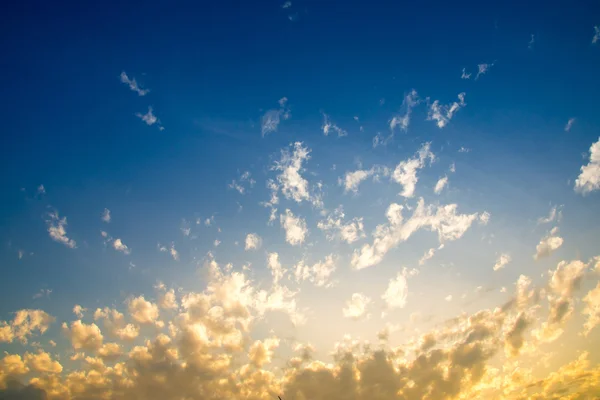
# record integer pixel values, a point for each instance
(106, 215)
(253, 241)
(356, 307)
(110, 351)
(12, 365)
(443, 114)
(353, 179)
(133, 85)
(295, 228)
(589, 178)
(440, 185)
(592, 309)
(502, 261)
(335, 227)
(149, 118)
(569, 124)
(319, 273)
(120, 246)
(292, 184)
(114, 323)
(441, 219)
(244, 179)
(548, 244)
(142, 311)
(275, 267)
(405, 172)
(57, 230)
(271, 119)
(167, 300)
(83, 336)
(397, 292)
(24, 324)
(329, 126)
(42, 362)
(79, 310)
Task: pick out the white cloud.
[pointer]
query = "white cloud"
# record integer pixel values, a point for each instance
(403, 121)
(429, 254)
(41, 190)
(78, 311)
(591, 309)
(149, 118)
(271, 119)
(569, 124)
(589, 178)
(295, 228)
(57, 230)
(133, 85)
(548, 244)
(353, 179)
(405, 172)
(292, 184)
(448, 298)
(106, 215)
(596, 36)
(356, 307)
(253, 241)
(465, 75)
(217, 242)
(239, 185)
(441, 219)
(329, 126)
(554, 215)
(334, 227)
(120, 246)
(319, 273)
(484, 218)
(464, 150)
(275, 266)
(185, 227)
(502, 261)
(483, 69)
(440, 185)
(171, 250)
(397, 291)
(443, 114)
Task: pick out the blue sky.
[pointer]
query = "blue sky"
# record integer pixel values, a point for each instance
(152, 110)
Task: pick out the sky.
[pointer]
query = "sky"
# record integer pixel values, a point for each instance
(306, 199)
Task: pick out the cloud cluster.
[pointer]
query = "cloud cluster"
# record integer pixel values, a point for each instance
(589, 178)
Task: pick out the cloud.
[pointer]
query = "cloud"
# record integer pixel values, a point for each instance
(589, 178)
(133, 85)
(287, 4)
(591, 309)
(329, 126)
(405, 172)
(290, 180)
(271, 119)
(443, 114)
(531, 42)
(554, 215)
(411, 100)
(167, 300)
(427, 256)
(149, 118)
(83, 336)
(42, 362)
(42, 293)
(464, 150)
(295, 228)
(502, 261)
(239, 185)
(335, 227)
(596, 36)
(24, 324)
(569, 124)
(465, 75)
(106, 215)
(352, 180)
(78, 311)
(253, 242)
(41, 190)
(483, 69)
(441, 219)
(440, 185)
(120, 246)
(548, 244)
(142, 311)
(171, 250)
(185, 228)
(318, 274)
(397, 291)
(57, 230)
(356, 307)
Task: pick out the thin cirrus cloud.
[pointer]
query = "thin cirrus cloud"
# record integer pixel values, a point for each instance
(272, 118)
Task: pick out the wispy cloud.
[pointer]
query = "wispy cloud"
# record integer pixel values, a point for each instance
(41, 190)
(440, 185)
(271, 119)
(42, 293)
(328, 127)
(555, 214)
(57, 230)
(133, 85)
(295, 228)
(531, 42)
(502, 261)
(245, 178)
(106, 215)
(405, 172)
(287, 4)
(569, 124)
(465, 74)
(443, 114)
(334, 227)
(589, 178)
(596, 36)
(253, 242)
(482, 69)
(352, 180)
(149, 118)
(403, 121)
(290, 180)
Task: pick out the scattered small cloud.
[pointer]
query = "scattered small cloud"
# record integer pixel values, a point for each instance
(502, 261)
(106, 215)
(118, 245)
(149, 118)
(356, 307)
(405, 172)
(548, 244)
(464, 150)
(287, 4)
(271, 119)
(482, 69)
(569, 124)
(295, 228)
(589, 178)
(531, 42)
(448, 298)
(185, 227)
(555, 214)
(335, 227)
(253, 242)
(596, 36)
(133, 85)
(440, 185)
(42, 293)
(328, 127)
(78, 311)
(41, 190)
(57, 230)
(443, 114)
(244, 179)
(465, 75)
(171, 250)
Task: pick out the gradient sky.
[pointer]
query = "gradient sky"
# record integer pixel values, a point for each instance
(263, 188)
